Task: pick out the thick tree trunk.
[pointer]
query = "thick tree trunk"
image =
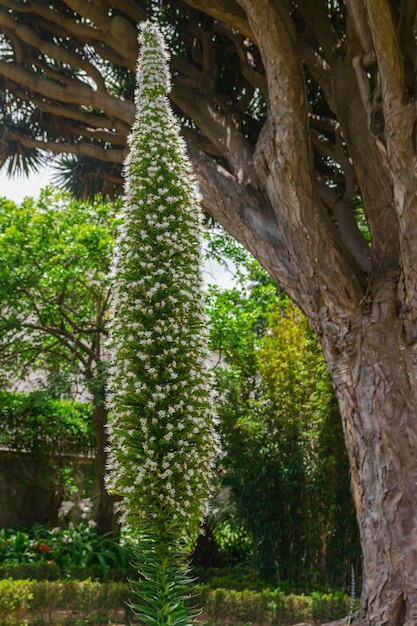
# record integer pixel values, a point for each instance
(105, 517)
(375, 379)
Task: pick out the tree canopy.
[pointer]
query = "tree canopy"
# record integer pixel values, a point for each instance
(54, 254)
(318, 79)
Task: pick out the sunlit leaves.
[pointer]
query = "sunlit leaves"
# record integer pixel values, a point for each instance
(54, 254)
(285, 459)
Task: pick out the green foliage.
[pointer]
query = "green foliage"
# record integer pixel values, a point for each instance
(54, 255)
(15, 597)
(232, 539)
(35, 423)
(285, 458)
(270, 606)
(34, 570)
(329, 606)
(160, 595)
(100, 603)
(25, 601)
(48, 441)
(66, 551)
(238, 578)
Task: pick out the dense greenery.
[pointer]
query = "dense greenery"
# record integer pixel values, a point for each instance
(96, 603)
(48, 447)
(54, 254)
(285, 460)
(45, 569)
(77, 552)
(280, 426)
(44, 426)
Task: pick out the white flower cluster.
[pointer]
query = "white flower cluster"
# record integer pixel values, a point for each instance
(161, 430)
(65, 507)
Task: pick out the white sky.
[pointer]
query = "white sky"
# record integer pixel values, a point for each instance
(20, 186)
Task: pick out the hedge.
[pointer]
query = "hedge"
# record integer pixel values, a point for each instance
(26, 602)
(32, 603)
(35, 423)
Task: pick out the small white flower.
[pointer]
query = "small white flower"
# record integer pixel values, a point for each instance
(65, 507)
(150, 337)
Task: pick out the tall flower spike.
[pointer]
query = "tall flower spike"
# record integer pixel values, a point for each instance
(161, 430)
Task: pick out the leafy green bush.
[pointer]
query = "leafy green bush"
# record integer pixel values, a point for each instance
(31, 571)
(233, 541)
(15, 598)
(38, 424)
(22, 600)
(16, 547)
(73, 552)
(94, 601)
(238, 578)
(39, 434)
(284, 456)
(326, 607)
(270, 606)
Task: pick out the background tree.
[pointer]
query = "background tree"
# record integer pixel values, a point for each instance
(296, 113)
(284, 461)
(55, 255)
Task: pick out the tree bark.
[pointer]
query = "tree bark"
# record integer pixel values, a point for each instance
(375, 380)
(105, 516)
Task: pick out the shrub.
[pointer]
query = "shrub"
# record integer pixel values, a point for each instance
(47, 442)
(329, 606)
(270, 606)
(34, 602)
(76, 552)
(38, 424)
(100, 602)
(15, 597)
(32, 571)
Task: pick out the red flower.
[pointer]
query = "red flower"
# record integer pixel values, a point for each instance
(43, 547)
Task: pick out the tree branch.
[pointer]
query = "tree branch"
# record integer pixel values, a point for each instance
(351, 236)
(227, 11)
(54, 21)
(398, 112)
(29, 37)
(284, 165)
(245, 214)
(247, 67)
(117, 31)
(66, 338)
(406, 30)
(222, 132)
(80, 94)
(89, 118)
(108, 155)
